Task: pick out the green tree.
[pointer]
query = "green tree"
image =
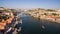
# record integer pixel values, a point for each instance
(50, 10)
(54, 14)
(45, 13)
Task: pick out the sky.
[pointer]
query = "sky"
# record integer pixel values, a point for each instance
(30, 3)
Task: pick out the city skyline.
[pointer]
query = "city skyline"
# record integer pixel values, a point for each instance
(55, 4)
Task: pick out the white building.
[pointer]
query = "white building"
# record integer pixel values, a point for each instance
(58, 10)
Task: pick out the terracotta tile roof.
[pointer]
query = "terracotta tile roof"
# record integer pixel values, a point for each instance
(4, 23)
(53, 17)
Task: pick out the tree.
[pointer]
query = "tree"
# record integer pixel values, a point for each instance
(54, 14)
(50, 10)
(45, 13)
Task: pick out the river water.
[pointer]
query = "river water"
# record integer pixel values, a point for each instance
(31, 25)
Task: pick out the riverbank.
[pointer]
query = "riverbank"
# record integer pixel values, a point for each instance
(12, 27)
(54, 19)
(50, 18)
